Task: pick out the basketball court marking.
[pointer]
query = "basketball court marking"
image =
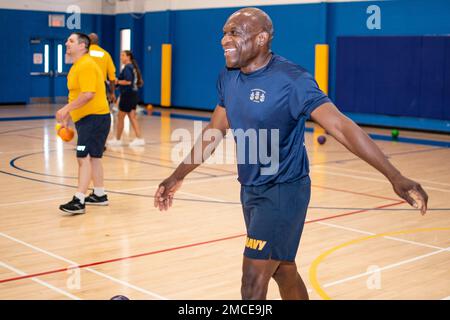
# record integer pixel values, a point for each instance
(20, 129)
(13, 164)
(74, 264)
(39, 281)
(375, 174)
(384, 237)
(387, 154)
(217, 200)
(315, 264)
(146, 253)
(139, 255)
(387, 267)
(117, 192)
(373, 179)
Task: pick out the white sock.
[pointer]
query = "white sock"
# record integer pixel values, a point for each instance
(99, 191)
(80, 196)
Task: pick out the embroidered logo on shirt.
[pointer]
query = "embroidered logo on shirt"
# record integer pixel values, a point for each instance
(257, 95)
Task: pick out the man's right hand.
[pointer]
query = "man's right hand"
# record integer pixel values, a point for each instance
(166, 191)
(167, 188)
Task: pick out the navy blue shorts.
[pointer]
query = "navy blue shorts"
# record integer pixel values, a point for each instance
(274, 216)
(92, 133)
(128, 101)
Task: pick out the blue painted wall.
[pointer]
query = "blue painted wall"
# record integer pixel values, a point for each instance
(196, 34)
(156, 32)
(18, 27)
(198, 55)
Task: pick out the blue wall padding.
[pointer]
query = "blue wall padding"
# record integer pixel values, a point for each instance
(407, 76)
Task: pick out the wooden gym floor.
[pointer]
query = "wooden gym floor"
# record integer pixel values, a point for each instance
(360, 241)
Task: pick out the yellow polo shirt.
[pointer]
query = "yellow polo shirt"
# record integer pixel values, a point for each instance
(104, 61)
(86, 76)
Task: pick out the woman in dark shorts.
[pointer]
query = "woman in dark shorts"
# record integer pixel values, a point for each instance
(129, 81)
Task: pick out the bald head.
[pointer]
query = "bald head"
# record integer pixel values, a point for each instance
(94, 38)
(247, 37)
(255, 20)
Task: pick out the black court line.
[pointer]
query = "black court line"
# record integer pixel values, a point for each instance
(387, 154)
(23, 129)
(117, 192)
(105, 155)
(155, 164)
(377, 209)
(213, 201)
(13, 164)
(165, 160)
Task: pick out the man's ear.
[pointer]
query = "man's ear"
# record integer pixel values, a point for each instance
(263, 38)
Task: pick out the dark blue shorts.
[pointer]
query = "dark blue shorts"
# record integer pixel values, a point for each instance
(92, 133)
(274, 216)
(128, 101)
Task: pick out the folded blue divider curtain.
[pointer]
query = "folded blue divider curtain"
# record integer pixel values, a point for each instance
(402, 76)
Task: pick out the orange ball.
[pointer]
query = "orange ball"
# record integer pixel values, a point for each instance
(66, 134)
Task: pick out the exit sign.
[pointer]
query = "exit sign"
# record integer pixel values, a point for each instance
(56, 20)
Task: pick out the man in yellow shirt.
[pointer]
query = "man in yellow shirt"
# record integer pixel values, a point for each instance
(89, 110)
(106, 64)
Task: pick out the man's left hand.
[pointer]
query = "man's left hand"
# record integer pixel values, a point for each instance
(412, 192)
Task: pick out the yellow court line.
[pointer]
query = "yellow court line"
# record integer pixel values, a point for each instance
(315, 264)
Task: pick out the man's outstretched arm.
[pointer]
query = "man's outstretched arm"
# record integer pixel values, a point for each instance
(166, 190)
(359, 143)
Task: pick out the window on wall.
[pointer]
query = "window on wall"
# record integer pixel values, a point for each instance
(60, 58)
(125, 39)
(46, 67)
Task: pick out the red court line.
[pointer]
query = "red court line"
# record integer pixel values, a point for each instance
(358, 211)
(354, 192)
(179, 247)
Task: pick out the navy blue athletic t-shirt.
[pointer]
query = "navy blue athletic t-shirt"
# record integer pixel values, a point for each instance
(128, 73)
(267, 110)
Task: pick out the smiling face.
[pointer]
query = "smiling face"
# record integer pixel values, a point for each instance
(239, 41)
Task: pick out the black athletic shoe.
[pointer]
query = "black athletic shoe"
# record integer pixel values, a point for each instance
(95, 200)
(72, 207)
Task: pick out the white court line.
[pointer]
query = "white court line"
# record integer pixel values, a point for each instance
(372, 179)
(385, 237)
(389, 266)
(326, 285)
(215, 199)
(378, 174)
(30, 201)
(20, 272)
(446, 298)
(74, 264)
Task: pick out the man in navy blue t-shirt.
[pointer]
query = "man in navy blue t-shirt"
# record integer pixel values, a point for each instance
(265, 100)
